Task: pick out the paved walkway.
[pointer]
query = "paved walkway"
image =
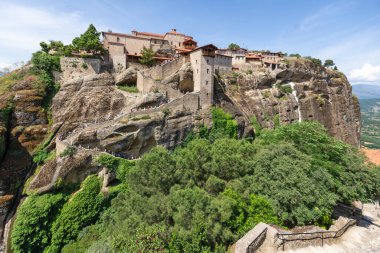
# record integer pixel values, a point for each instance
(363, 238)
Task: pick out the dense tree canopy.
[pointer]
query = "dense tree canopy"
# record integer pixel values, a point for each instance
(88, 41)
(205, 195)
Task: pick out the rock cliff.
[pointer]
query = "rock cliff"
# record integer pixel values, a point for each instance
(298, 91)
(90, 115)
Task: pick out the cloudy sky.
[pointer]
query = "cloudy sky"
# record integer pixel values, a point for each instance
(347, 31)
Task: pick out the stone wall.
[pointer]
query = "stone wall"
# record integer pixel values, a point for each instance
(73, 67)
(223, 63)
(119, 62)
(252, 240)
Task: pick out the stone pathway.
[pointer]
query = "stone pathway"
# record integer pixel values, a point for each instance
(363, 238)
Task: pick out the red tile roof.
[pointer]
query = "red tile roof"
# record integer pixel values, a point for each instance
(150, 34)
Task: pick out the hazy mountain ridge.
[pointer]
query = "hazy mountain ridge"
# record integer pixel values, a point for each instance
(366, 91)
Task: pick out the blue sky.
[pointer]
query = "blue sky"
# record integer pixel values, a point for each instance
(346, 31)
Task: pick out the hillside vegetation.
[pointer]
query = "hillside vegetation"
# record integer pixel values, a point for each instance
(370, 113)
(204, 195)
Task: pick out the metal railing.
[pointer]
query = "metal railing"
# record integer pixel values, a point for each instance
(255, 244)
(307, 236)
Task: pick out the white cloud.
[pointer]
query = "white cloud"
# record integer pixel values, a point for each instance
(368, 73)
(23, 27)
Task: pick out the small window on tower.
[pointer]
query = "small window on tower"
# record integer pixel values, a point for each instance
(207, 71)
(206, 82)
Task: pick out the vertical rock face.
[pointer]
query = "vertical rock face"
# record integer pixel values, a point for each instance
(22, 128)
(298, 92)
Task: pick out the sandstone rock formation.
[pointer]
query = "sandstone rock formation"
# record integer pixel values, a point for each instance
(22, 128)
(300, 91)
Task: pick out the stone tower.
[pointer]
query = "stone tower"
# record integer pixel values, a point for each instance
(202, 62)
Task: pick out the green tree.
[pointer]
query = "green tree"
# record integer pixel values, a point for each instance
(88, 41)
(329, 63)
(233, 46)
(295, 55)
(147, 55)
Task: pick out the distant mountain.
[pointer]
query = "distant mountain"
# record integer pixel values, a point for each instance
(366, 91)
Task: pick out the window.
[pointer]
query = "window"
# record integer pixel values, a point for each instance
(206, 82)
(196, 61)
(117, 39)
(179, 43)
(207, 61)
(207, 71)
(171, 42)
(197, 71)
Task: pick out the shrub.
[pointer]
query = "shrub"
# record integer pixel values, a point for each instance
(84, 65)
(147, 55)
(69, 151)
(256, 126)
(166, 111)
(316, 61)
(31, 231)
(44, 62)
(286, 89)
(82, 210)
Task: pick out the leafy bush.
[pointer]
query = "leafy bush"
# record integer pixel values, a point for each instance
(84, 65)
(256, 125)
(69, 151)
(223, 125)
(31, 231)
(147, 55)
(80, 211)
(286, 89)
(316, 61)
(44, 62)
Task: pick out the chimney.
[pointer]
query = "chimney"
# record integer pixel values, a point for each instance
(134, 32)
(174, 30)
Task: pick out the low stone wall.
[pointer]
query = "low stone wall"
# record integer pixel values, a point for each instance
(315, 238)
(159, 72)
(252, 240)
(60, 146)
(189, 101)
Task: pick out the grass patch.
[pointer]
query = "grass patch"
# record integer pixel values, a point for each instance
(131, 89)
(144, 117)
